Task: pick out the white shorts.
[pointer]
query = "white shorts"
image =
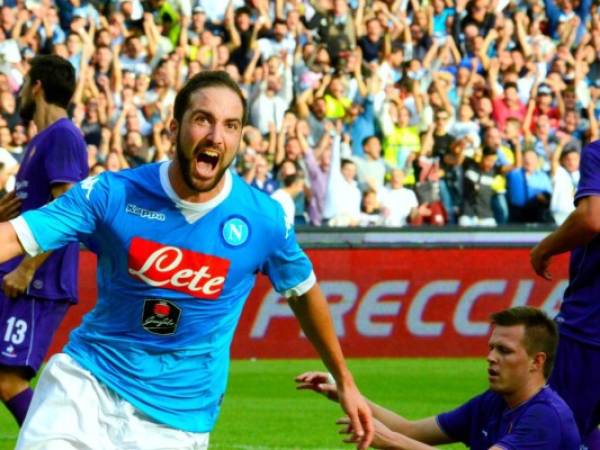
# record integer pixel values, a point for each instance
(72, 410)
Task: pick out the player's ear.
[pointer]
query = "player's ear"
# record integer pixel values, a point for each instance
(173, 127)
(538, 362)
(37, 88)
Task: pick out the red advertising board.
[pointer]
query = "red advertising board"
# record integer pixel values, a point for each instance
(386, 302)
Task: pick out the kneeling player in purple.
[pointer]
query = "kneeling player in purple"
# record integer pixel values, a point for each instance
(179, 245)
(576, 371)
(519, 411)
(36, 292)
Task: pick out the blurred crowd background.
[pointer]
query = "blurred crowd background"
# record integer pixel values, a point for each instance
(361, 113)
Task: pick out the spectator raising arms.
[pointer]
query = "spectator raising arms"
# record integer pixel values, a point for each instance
(507, 76)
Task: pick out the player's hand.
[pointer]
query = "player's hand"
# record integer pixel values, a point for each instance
(320, 382)
(10, 206)
(540, 262)
(359, 415)
(383, 438)
(16, 282)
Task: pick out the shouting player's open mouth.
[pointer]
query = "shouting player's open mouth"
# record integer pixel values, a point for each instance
(207, 161)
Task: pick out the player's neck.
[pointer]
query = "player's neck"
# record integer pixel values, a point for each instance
(517, 398)
(46, 114)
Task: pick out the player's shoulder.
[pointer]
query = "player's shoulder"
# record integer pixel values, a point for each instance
(593, 148)
(548, 400)
(64, 129)
(64, 138)
(257, 203)
(550, 412)
(145, 173)
(124, 179)
(488, 403)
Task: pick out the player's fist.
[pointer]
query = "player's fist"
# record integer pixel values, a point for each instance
(16, 282)
(540, 262)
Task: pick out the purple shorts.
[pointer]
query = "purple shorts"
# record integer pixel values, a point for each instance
(27, 325)
(575, 378)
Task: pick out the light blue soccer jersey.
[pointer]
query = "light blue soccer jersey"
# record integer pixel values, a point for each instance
(172, 281)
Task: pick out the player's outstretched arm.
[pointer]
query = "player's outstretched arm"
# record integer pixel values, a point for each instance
(17, 281)
(313, 314)
(424, 430)
(9, 242)
(580, 228)
(385, 438)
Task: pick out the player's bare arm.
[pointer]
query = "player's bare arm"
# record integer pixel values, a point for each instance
(10, 246)
(385, 438)
(17, 281)
(313, 315)
(579, 229)
(59, 189)
(423, 430)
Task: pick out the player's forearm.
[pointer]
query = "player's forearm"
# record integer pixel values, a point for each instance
(390, 419)
(9, 242)
(579, 229)
(32, 263)
(312, 313)
(406, 443)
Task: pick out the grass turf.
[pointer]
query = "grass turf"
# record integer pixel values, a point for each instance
(263, 411)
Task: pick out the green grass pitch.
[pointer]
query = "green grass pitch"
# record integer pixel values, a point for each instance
(263, 411)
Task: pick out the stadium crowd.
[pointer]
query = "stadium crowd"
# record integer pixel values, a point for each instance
(361, 113)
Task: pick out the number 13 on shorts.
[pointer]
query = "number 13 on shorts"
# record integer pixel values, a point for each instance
(15, 330)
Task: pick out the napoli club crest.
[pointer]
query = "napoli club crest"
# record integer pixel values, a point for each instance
(235, 231)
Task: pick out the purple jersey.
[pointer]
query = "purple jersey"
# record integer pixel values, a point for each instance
(543, 422)
(56, 155)
(579, 316)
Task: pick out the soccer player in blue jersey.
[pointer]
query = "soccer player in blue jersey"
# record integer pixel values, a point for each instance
(179, 245)
(36, 292)
(519, 411)
(576, 372)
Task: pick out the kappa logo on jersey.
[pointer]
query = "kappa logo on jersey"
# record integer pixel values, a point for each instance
(160, 316)
(235, 231)
(170, 267)
(145, 213)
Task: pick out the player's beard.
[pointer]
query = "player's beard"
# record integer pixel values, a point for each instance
(27, 109)
(187, 166)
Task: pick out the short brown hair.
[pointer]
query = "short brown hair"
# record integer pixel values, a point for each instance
(57, 77)
(541, 332)
(203, 80)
